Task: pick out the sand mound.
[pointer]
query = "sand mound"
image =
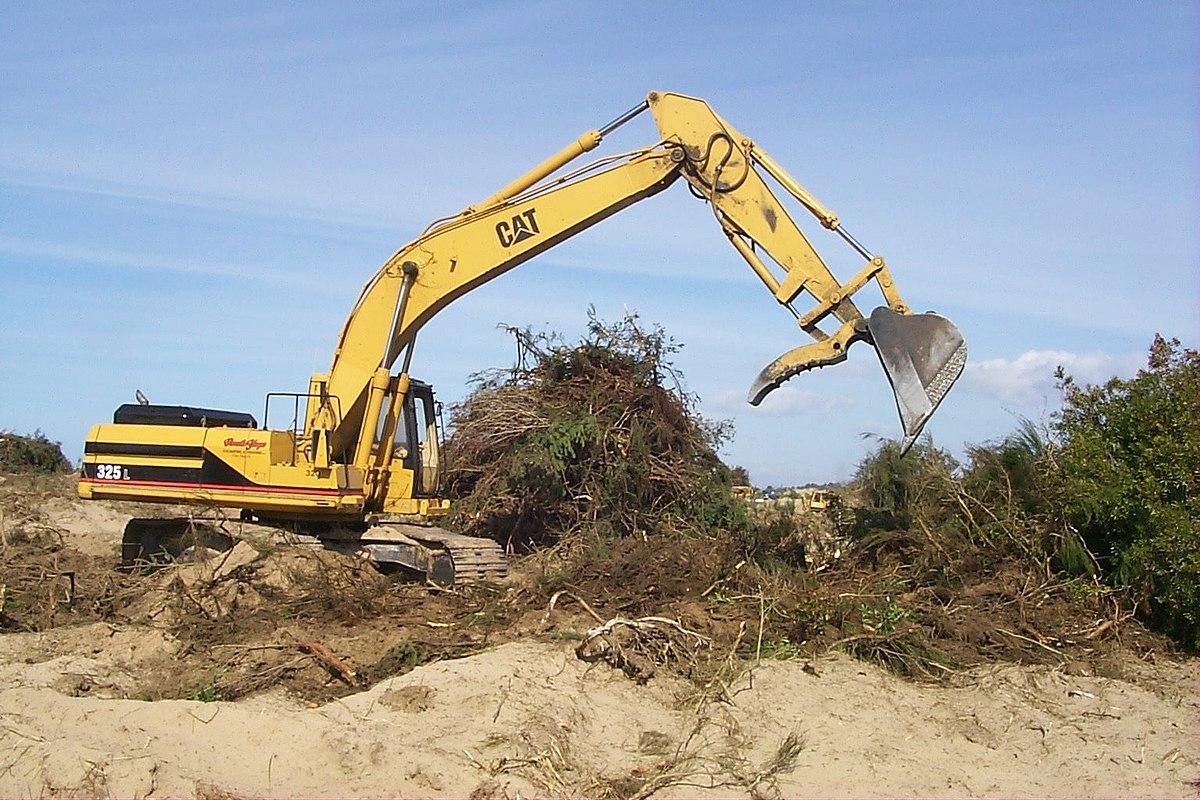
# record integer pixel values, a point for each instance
(530, 718)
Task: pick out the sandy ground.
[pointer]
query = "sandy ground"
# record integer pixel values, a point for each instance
(530, 719)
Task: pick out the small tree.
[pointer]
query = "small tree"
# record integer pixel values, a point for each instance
(897, 489)
(739, 476)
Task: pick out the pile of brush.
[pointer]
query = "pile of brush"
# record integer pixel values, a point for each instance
(596, 435)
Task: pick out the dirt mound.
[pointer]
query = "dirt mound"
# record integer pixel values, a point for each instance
(273, 611)
(318, 623)
(284, 669)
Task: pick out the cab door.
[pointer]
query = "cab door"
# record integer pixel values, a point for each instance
(424, 447)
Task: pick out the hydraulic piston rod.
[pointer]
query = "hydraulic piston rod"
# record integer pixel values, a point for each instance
(586, 141)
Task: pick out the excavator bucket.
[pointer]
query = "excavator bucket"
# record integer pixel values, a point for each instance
(922, 355)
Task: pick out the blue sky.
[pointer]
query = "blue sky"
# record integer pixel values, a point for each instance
(190, 199)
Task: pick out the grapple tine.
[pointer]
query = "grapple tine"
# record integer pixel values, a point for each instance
(922, 356)
(786, 366)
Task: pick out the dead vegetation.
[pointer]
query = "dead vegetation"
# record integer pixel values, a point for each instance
(266, 613)
(597, 437)
(318, 623)
(703, 760)
(593, 455)
(44, 581)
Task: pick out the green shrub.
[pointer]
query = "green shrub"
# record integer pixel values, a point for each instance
(898, 490)
(1011, 472)
(33, 453)
(1128, 479)
(1111, 490)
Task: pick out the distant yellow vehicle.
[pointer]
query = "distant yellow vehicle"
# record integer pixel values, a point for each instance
(819, 499)
(360, 462)
(743, 492)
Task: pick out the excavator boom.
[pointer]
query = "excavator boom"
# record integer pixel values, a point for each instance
(723, 167)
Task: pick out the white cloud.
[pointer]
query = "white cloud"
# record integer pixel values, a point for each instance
(1030, 376)
(785, 401)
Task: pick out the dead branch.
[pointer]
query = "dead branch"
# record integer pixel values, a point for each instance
(335, 665)
(573, 596)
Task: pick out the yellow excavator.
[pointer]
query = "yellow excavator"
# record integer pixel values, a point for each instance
(358, 466)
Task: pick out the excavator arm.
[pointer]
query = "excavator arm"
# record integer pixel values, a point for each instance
(922, 355)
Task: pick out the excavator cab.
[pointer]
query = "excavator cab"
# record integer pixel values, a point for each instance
(405, 451)
(421, 439)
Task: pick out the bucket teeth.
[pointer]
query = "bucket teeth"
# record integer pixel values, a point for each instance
(922, 356)
(786, 366)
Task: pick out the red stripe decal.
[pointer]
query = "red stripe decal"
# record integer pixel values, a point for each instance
(223, 487)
